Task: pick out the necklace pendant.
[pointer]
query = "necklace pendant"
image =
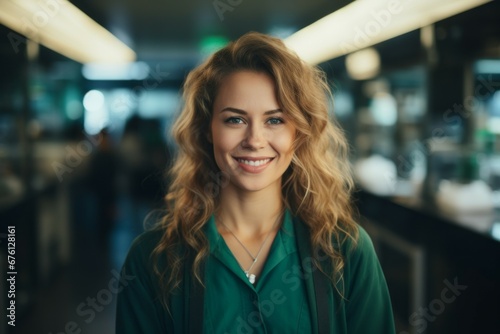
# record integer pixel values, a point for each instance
(251, 277)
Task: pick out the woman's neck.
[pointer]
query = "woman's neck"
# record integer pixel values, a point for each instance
(250, 213)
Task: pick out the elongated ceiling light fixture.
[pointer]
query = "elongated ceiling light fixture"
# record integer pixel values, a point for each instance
(62, 27)
(364, 23)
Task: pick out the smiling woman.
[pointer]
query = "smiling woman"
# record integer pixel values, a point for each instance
(259, 235)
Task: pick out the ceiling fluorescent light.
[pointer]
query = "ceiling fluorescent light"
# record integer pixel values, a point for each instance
(364, 23)
(62, 27)
(128, 71)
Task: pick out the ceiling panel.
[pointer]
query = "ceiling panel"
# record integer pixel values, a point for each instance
(166, 28)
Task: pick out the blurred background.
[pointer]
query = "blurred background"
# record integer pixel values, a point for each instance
(89, 90)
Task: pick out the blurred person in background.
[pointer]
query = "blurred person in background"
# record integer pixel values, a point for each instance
(101, 181)
(143, 158)
(148, 184)
(259, 234)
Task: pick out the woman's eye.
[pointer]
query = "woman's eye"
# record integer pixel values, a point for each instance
(275, 121)
(234, 120)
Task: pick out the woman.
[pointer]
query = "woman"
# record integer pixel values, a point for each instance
(259, 235)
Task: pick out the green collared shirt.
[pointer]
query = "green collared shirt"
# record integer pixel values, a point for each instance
(277, 300)
(281, 301)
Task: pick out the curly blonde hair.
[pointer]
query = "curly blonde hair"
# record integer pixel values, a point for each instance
(316, 187)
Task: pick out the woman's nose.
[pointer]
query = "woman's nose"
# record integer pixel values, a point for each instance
(255, 137)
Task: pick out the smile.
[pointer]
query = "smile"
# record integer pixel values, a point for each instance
(254, 162)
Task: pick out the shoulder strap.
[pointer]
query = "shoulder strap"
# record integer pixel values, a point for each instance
(196, 297)
(320, 281)
(321, 292)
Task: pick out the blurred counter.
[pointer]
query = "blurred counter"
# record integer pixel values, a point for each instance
(418, 215)
(422, 249)
(423, 221)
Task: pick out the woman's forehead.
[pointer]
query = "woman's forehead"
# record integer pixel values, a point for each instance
(247, 91)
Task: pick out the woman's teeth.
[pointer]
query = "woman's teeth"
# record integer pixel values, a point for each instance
(254, 163)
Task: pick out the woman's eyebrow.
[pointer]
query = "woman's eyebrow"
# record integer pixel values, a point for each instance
(243, 112)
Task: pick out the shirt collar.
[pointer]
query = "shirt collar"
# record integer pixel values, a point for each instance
(287, 234)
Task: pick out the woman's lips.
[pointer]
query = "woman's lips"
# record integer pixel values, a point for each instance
(253, 165)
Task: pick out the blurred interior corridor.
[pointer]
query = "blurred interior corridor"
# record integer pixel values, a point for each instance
(98, 211)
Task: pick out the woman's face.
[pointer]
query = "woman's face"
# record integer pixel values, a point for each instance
(251, 136)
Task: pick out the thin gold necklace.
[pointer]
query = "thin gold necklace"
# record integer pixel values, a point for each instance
(252, 277)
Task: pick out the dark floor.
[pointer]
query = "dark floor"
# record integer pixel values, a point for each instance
(77, 297)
